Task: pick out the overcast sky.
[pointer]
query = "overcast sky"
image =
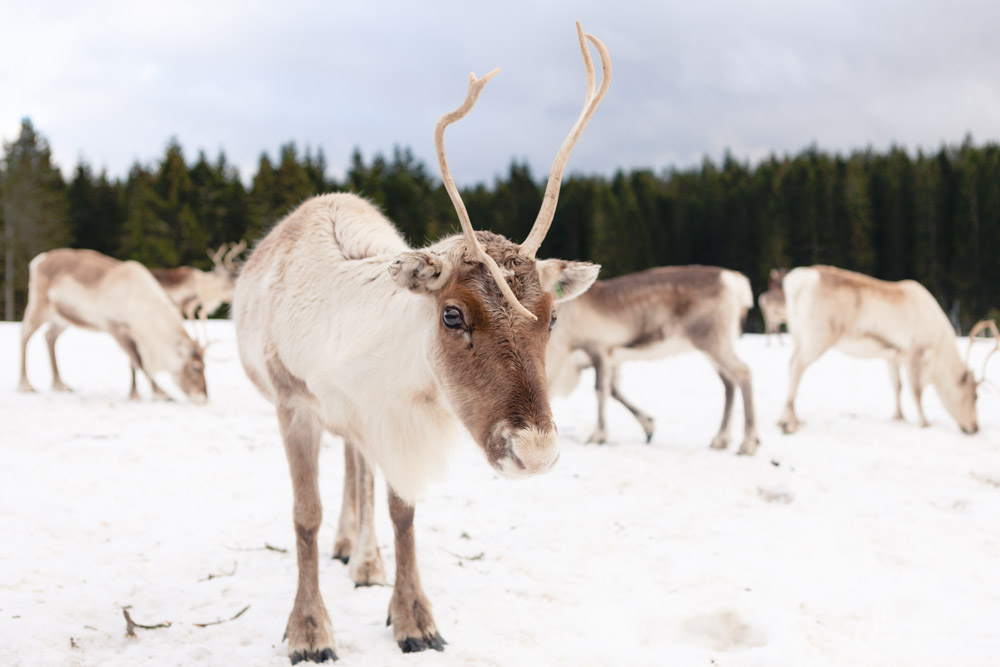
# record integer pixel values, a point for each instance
(111, 82)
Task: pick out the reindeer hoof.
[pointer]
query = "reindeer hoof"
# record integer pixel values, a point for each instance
(749, 447)
(598, 437)
(719, 442)
(369, 572)
(342, 550)
(788, 426)
(417, 644)
(25, 388)
(326, 655)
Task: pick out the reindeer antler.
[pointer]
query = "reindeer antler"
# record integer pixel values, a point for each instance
(216, 255)
(475, 87)
(983, 325)
(234, 251)
(551, 198)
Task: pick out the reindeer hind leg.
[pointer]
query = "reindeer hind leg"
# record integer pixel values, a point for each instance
(55, 330)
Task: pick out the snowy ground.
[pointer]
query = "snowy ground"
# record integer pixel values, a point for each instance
(857, 541)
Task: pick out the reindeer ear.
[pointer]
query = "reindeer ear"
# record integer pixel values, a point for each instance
(566, 280)
(421, 271)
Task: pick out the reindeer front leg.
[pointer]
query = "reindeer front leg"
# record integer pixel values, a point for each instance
(309, 631)
(409, 610)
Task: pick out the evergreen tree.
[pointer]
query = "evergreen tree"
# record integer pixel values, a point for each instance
(35, 211)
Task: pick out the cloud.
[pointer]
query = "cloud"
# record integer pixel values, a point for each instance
(113, 81)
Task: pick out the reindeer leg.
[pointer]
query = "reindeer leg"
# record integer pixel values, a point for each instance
(602, 374)
(897, 386)
(55, 330)
(126, 342)
(409, 610)
(802, 356)
(917, 381)
(347, 528)
(309, 631)
(740, 372)
(133, 394)
(34, 317)
(721, 439)
(644, 420)
(365, 565)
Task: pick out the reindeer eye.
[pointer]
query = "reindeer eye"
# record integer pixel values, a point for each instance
(452, 317)
(552, 322)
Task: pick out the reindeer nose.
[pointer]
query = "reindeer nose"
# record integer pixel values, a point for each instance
(532, 451)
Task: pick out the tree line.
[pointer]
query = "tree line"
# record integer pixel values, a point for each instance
(933, 217)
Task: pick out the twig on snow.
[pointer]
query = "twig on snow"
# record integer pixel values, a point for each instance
(222, 574)
(131, 625)
(478, 556)
(266, 547)
(225, 620)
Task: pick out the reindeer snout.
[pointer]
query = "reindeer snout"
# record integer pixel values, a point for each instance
(530, 451)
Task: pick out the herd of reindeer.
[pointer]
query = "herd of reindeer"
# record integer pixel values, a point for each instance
(347, 329)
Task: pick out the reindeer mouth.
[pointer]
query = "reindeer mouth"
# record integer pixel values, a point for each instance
(526, 452)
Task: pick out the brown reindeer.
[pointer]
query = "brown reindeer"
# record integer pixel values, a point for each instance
(345, 328)
(86, 289)
(650, 315)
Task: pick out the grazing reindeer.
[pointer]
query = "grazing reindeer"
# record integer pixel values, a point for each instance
(772, 305)
(346, 328)
(900, 322)
(654, 314)
(86, 289)
(200, 293)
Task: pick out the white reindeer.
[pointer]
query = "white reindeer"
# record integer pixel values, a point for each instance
(86, 289)
(346, 328)
(900, 322)
(197, 293)
(650, 315)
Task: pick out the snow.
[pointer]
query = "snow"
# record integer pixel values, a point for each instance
(858, 540)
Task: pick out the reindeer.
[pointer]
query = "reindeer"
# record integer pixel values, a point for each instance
(86, 289)
(772, 305)
(650, 315)
(199, 293)
(345, 328)
(900, 322)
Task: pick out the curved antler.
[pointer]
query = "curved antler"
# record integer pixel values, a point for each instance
(475, 87)
(551, 198)
(983, 325)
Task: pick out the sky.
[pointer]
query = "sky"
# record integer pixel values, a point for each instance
(111, 82)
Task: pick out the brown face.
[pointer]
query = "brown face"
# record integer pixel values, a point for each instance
(491, 361)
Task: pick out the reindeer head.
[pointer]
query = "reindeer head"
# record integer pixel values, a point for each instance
(961, 401)
(495, 307)
(187, 368)
(225, 268)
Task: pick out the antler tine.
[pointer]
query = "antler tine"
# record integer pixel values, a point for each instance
(983, 325)
(234, 250)
(551, 198)
(216, 255)
(475, 87)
